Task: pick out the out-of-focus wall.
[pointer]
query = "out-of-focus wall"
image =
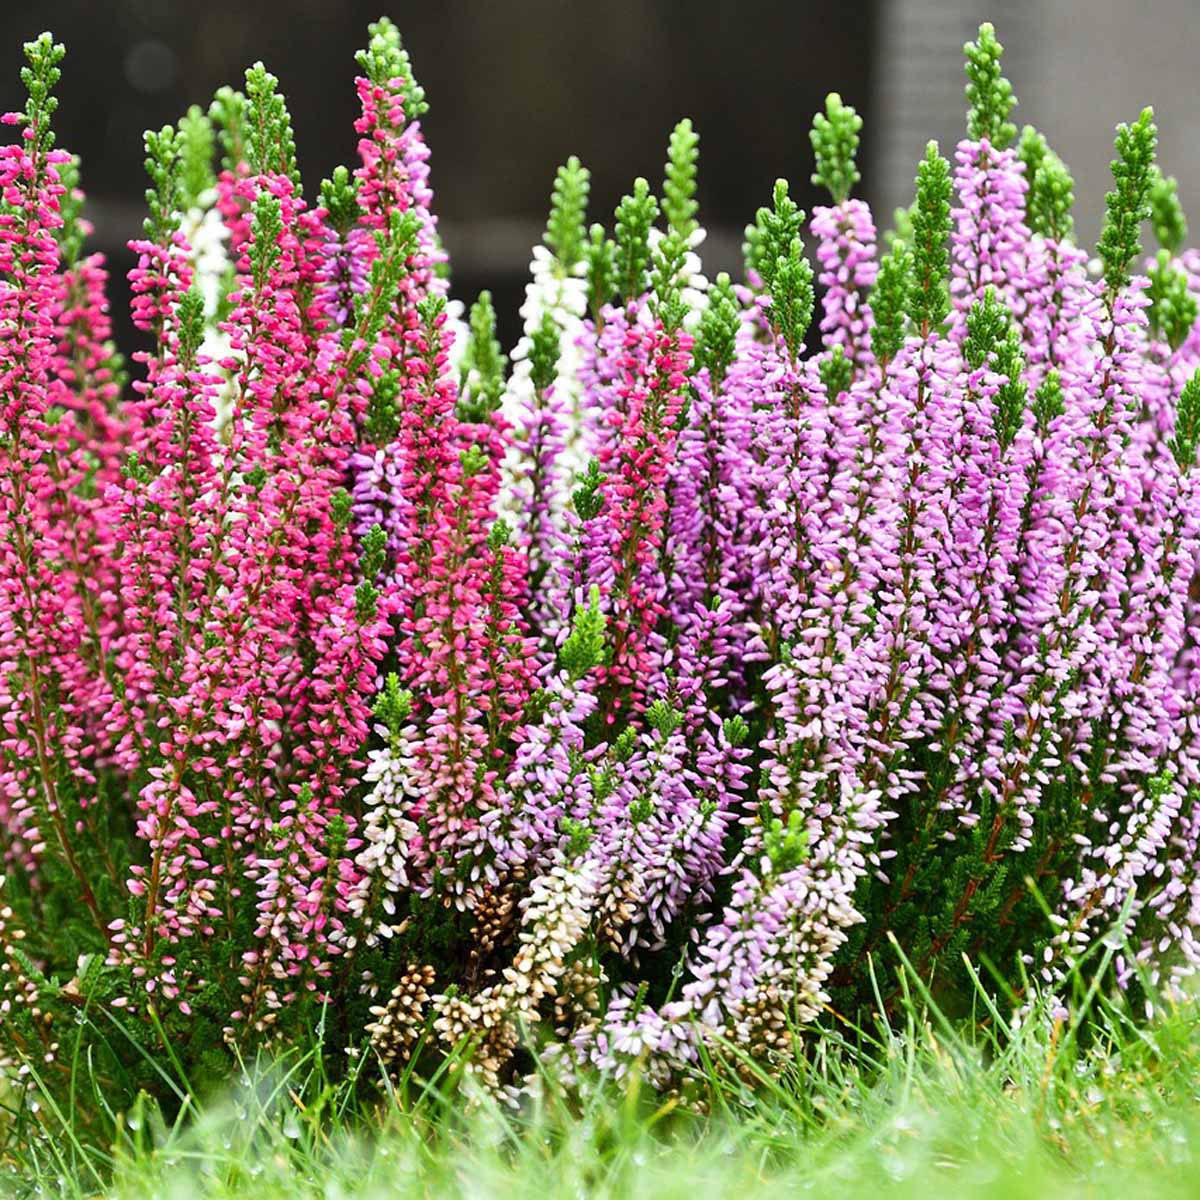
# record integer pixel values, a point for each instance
(1078, 68)
(1101, 63)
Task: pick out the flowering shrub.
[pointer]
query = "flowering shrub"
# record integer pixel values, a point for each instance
(630, 701)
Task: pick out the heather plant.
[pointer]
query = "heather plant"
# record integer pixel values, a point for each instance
(631, 697)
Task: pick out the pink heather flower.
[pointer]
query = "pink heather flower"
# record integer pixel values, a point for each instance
(242, 621)
(845, 236)
(989, 234)
(711, 495)
(636, 448)
(457, 591)
(53, 677)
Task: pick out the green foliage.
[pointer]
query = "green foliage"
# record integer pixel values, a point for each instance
(1051, 199)
(929, 294)
(989, 95)
(228, 113)
(786, 846)
(1158, 786)
(374, 551)
(270, 146)
(374, 554)
(383, 408)
(385, 60)
(667, 282)
(837, 373)
(1166, 213)
(792, 298)
(266, 224)
(197, 144)
(641, 809)
(679, 185)
(663, 718)
(1048, 401)
(1172, 306)
(341, 508)
(736, 730)
(366, 599)
(40, 77)
(481, 379)
(834, 137)
(498, 537)
(584, 647)
(1032, 150)
(889, 303)
(600, 254)
(339, 198)
(775, 253)
(635, 216)
(474, 461)
(679, 208)
(544, 350)
(588, 497)
(1051, 190)
(603, 780)
(1187, 424)
(579, 837)
(393, 704)
(1013, 393)
(163, 196)
(1128, 204)
(771, 236)
(987, 323)
(625, 744)
(565, 236)
(387, 269)
(717, 336)
(190, 319)
(133, 468)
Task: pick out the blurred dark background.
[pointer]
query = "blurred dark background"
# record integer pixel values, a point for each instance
(515, 87)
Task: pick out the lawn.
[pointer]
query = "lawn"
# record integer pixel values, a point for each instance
(1103, 1105)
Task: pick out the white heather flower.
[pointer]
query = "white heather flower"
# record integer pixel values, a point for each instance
(564, 297)
(388, 828)
(456, 322)
(207, 235)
